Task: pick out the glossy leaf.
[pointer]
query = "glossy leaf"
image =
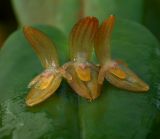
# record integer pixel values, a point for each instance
(115, 114)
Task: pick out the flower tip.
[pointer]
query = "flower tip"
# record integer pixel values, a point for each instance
(88, 20)
(32, 98)
(112, 16)
(111, 20)
(140, 86)
(91, 18)
(29, 102)
(145, 88)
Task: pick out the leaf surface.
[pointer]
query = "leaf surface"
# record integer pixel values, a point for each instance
(64, 13)
(115, 114)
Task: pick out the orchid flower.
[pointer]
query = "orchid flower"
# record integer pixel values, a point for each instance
(46, 83)
(84, 73)
(84, 77)
(115, 72)
(79, 72)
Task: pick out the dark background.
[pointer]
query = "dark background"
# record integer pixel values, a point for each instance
(8, 21)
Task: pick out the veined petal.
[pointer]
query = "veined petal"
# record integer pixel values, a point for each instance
(43, 89)
(81, 38)
(102, 40)
(130, 82)
(42, 46)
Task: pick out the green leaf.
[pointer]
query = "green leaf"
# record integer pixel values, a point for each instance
(115, 114)
(64, 13)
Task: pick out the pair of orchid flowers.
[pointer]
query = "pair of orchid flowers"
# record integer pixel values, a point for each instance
(84, 77)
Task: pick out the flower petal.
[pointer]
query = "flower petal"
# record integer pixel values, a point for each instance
(44, 82)
(34, 81)
(93, 85)
(83, 71)
(42, 46)
(87, 89)
(81, 38)
(45, 88)
(102, 40)
(131, 82)
(117, 71)
(78, 85)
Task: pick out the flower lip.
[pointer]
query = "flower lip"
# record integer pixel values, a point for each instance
(89, 89)
(37, 94)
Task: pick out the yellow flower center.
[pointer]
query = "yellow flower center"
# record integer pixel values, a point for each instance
(45, 81)
(83, 73)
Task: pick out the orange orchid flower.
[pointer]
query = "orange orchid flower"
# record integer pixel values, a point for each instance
(83, 76)
(46, 83)
(115, 72)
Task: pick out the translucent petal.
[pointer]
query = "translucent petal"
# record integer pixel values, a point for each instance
(38, 94)
(93, 85)
(87, 89)
(81, 38)
(44, 82)
(102, 73)
(34, 81)
(42, 45)
(117, 71)
(131, 82)
(102, 40)
(78, 85)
